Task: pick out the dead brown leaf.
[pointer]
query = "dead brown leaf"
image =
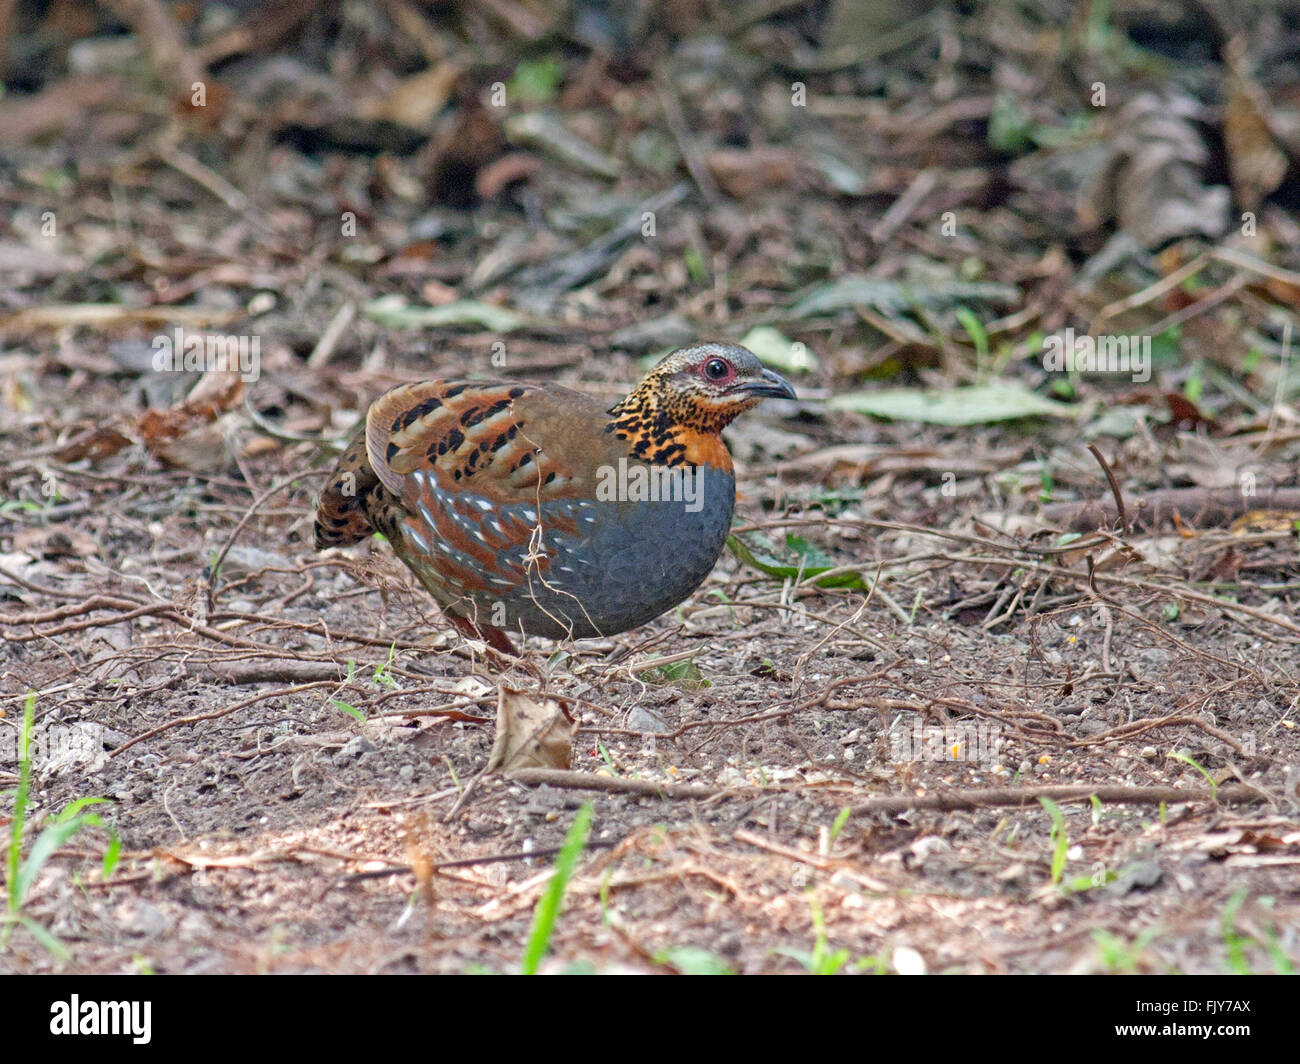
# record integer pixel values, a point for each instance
(187, 436)
(531, 733)
(742, 173)
(1152, 186)
(415, 100)
(101, 442)
(55, 541)
(1256, 164)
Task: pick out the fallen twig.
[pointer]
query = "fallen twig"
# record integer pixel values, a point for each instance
(1114, 488)
(1067, 792)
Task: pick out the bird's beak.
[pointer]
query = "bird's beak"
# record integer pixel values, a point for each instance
(769, 386)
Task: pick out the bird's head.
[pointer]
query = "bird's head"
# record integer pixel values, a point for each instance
(724, 379)
(693, 393)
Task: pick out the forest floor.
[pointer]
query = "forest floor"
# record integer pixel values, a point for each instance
(941, 708)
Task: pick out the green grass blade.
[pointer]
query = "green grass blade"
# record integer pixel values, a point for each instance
(1059, 837)
(20, 800)
(548, 906)
(52, 945)
(47, 842)
(1214, 787)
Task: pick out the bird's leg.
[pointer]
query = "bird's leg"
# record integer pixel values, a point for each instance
(493, 637)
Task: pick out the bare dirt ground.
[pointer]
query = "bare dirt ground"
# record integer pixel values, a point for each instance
(832, 756)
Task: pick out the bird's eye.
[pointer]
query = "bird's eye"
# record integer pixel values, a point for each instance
(716, 369)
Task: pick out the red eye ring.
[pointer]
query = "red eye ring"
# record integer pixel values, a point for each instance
(717, 369)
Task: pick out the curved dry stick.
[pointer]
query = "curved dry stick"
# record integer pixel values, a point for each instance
(1063, 792)
(1138, 727)
(1114, 488)
(197, 717)
(274, 489)
(975, 798)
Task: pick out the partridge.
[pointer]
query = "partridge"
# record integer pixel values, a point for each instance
(533, 508)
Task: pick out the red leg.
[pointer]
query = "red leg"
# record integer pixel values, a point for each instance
(493, 637)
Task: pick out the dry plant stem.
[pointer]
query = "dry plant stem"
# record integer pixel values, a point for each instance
(1242, 261)
(806, 656)
(1114, 488)
(1181, 645)
(186, 164)
(822, 863)
(173, 60)
(1144, 585)
(132, 609)
(676, 123)
(1014, 796)
(329, 340)
(590, 781)
(1280, 390)
(1151, 292)
(274, 489)
(905, 205)
(53, 592)
(947, 800)
(1139, 727)
(1193, 310)
(470, 788)
(466, 862)
(197, 717)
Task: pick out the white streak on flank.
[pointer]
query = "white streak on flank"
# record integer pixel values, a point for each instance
(416, 538)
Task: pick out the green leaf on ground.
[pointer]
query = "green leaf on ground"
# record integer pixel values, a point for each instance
(776, 351)
(394, 312)
(978, 404)
(893, 298)
(537, 80)
(782, 570)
